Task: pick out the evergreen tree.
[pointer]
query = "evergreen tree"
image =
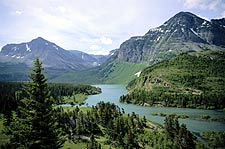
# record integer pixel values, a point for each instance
(185, 138)
(93, 143)
(34, 125)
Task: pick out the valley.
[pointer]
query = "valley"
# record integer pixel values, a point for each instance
(165, 89)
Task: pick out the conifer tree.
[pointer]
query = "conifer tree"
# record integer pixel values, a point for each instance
(34, 125)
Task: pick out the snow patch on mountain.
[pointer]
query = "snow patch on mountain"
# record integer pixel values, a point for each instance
(28, 48)
(193, 31)
(14, 48)
(138, 74)
(56, 47)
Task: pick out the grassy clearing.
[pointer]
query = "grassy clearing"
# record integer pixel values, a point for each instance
(71, 145)
(75, 99)
(121, 72)
(114, 72)
(70, 108)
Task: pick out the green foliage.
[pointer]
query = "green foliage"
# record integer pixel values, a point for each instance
(34, 125)
(93, 143)
(182, 116)
(212, 140)
(75, 99)
(173, 136)
(103, 119)
(192, 81)
(12, 92)
(178, 134)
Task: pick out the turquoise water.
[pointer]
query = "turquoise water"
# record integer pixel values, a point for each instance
(112, 93)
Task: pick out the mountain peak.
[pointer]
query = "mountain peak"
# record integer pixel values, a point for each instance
(186, 18)
(39, 39)
(182, 13)
(182, 33)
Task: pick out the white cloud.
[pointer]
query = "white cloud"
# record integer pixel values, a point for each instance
(61, 9)
(192, 3)
(18, 12)
(213, 5)
(95, 47)
(106, 41)
(202, 4)
(92, 26)
(98, 50)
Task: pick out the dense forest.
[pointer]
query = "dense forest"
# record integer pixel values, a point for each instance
(33, 118)
(12, 92)
(192, 80)
(36, 123)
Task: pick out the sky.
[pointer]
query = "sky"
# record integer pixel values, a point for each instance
(93, 26)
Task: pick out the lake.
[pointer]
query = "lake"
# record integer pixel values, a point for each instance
(112, 93)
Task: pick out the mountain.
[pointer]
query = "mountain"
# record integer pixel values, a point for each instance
(194, 80)
(111, 72)
(52, 56)
(96, 60)
(182, 33)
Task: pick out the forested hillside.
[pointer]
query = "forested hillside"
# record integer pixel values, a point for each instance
(194, 80)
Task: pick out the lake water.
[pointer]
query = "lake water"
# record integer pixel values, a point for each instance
(112, 93)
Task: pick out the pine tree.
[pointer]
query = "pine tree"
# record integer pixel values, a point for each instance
(34, 125)
(186, 138)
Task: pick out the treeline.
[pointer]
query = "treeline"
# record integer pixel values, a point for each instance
(58, 90)
(12, 92)
(212, 140)
(163, 98)
(122, 131)
(104, 119)
(173, 135)
(189, 80)
(9, 90)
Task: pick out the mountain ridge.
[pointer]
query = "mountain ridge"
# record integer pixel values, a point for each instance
(52, 55)
(182, 33)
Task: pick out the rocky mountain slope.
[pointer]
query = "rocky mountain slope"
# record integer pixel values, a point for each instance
(17, 59)
(52, 56)
(183, 32)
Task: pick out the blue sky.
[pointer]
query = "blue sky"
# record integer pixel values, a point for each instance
(93, 26)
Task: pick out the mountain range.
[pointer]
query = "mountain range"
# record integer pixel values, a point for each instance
(183, 33)
(17, 59)
(51, 55)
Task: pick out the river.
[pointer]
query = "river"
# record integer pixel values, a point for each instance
(112, 93)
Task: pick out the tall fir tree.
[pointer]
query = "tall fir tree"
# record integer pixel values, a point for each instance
(34, 125)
